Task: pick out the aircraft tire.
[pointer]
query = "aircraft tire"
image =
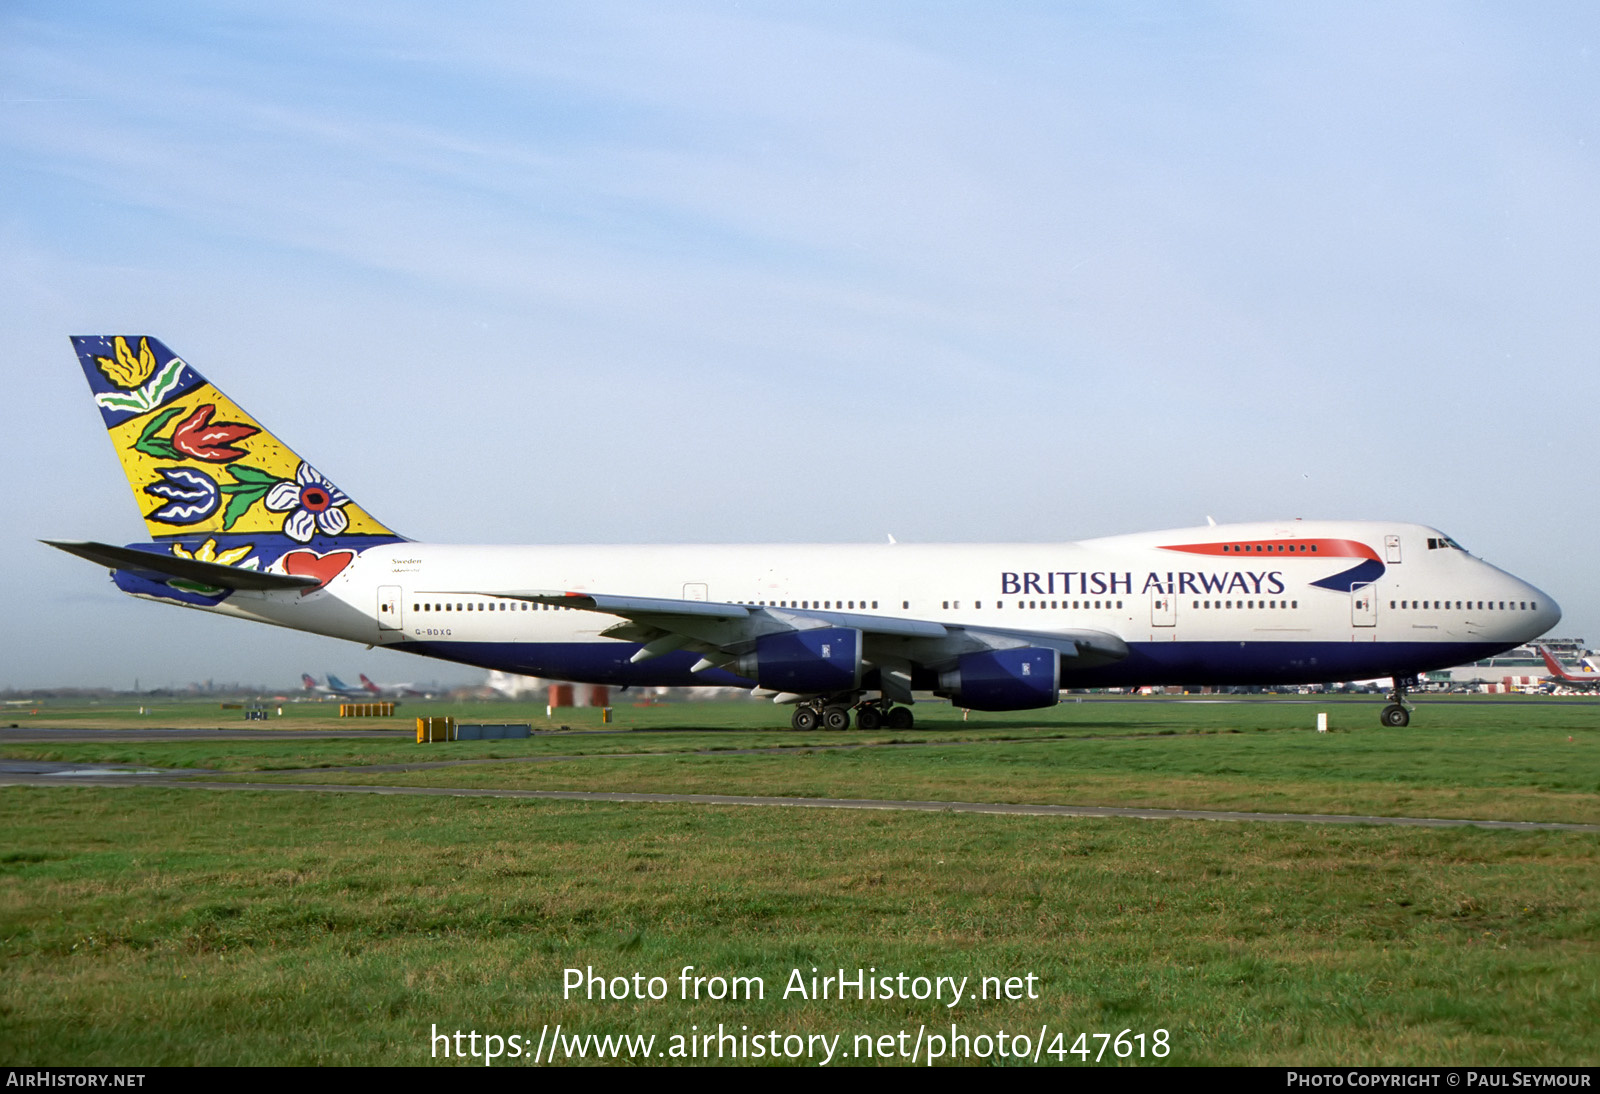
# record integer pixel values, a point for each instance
(869, 718)
(804, 719)
(1395, 716)
(836, 718)
(901, 718)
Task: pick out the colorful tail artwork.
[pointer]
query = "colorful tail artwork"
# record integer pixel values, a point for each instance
(212, 484)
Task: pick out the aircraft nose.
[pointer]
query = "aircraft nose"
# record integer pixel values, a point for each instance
(1548, 613)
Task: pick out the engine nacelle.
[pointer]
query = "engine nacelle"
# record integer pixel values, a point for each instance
(1021, 679)
(827, 659)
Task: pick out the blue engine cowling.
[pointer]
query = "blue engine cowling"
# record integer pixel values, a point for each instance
(1021, 679)
(809, 662)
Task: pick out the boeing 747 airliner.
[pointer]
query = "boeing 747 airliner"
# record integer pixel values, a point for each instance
(242, 526)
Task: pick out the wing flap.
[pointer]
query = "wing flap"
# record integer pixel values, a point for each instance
(1086, 648)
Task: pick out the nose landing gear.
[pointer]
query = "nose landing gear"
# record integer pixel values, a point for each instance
(1396, 715)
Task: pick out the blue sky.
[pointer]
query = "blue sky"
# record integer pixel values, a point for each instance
(742, 272)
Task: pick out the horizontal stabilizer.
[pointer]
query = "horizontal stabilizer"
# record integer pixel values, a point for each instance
(160, 567)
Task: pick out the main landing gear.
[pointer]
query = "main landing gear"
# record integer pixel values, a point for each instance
(879, 715)
(1395, 715)
(807, 718)
(836, 716)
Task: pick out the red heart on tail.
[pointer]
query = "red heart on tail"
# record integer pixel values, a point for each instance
(322, 567)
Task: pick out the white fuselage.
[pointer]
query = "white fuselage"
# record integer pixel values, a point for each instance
(1232, 604)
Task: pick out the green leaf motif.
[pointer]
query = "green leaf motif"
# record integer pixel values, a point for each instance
(152, 445)
(244, 496)
(195, 587)
(118, 401)
(253, 476)
(148, 397)
(165, 382)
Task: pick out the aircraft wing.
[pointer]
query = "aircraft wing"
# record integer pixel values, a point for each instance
(159, 567)
(723, 633)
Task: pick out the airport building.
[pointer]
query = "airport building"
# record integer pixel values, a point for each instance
(1523, 661)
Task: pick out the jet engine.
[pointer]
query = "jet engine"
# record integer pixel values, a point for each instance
(827, 659)
(1020, 679)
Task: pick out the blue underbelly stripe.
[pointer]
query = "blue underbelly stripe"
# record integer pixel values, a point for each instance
(1148, 663)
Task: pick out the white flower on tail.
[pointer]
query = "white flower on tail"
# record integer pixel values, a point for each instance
(313, 503)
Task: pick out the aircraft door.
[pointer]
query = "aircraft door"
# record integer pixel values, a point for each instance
(1391, 548)
(1364, 606)
(389, 608)
(1163, 610)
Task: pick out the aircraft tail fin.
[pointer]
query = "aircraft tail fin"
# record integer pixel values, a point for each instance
(1550, 662)
(339, 685)
(308, 681)
(369, 685)
(202, 468)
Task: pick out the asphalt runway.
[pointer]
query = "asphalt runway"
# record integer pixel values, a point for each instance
(14, 773)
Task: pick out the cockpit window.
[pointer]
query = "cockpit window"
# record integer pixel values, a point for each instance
(1439, 543)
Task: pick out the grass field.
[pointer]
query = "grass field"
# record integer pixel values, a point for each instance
(148, 925)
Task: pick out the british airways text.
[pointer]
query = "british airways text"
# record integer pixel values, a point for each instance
(1067, 582)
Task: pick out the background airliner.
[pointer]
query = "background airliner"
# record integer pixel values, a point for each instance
(242, 526)
(372, 688)
(1565, 677)
(334, 686)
